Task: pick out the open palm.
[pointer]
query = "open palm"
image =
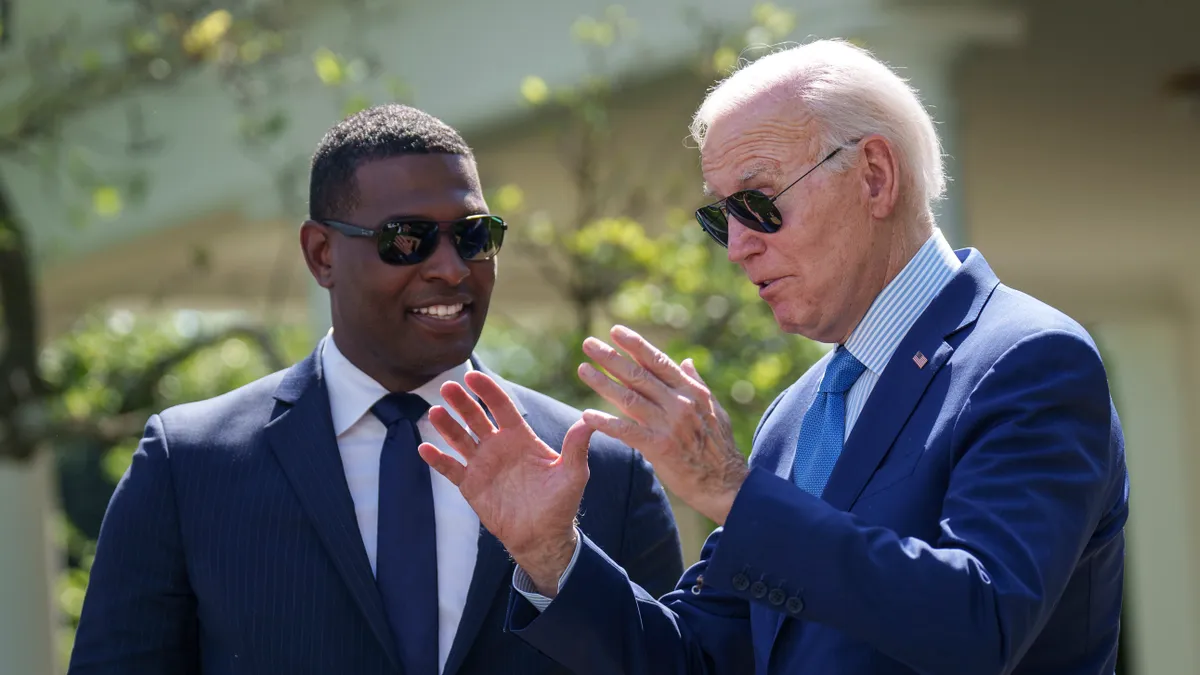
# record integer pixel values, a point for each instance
(522, 490)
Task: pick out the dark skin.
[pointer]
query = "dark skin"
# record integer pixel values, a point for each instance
(372, 302)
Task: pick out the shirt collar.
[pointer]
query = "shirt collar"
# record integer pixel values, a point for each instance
(352, 392)
(901, 302)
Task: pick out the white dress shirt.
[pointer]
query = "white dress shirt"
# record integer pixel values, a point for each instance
(360, 437)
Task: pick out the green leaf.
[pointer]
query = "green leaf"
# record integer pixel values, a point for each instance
(204, 35)
(508, 199)
(724, 60)
(329, 67)
(107, 202)
(534, 90)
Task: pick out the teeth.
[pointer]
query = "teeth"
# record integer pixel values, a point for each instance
(441, 311)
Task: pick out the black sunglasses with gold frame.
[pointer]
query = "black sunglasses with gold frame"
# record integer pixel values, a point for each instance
(410, 241)
(751, 208)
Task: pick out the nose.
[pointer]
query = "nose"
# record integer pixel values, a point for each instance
(743, 242)
(445, 265)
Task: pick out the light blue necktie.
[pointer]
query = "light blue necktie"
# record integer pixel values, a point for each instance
(824, 425)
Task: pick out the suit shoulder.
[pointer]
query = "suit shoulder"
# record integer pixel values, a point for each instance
(246, 407)
(1018, 316)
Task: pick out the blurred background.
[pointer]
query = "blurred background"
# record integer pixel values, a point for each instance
(153, 174)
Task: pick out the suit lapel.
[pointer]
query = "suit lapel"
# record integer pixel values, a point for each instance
(305, 445)
(493, 566)
(903, 381)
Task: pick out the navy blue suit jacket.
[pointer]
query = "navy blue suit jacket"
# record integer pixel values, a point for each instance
(231, 545)
(972, 525)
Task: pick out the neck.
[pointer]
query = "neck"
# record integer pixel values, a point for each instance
(393, 379)
(907, 238)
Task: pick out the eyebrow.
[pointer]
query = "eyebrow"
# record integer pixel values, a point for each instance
(755, 170)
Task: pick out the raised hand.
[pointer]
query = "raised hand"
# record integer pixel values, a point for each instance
(524, 492)
(673, 420)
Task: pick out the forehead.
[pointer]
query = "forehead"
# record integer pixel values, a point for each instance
(438, 186)
(754, 143)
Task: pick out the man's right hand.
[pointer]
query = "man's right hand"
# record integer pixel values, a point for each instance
(524, 492)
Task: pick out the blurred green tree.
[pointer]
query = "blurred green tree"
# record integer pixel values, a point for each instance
(667, 279)
(112, 372)
(85, 397)
(125, 48)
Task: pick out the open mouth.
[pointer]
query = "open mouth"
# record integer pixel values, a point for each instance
(442, 312)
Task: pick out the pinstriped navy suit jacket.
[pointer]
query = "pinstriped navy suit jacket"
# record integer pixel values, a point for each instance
(231, 546)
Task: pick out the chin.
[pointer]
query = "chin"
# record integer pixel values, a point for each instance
(791, 320)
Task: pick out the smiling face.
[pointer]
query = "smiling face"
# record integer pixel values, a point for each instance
(837, 246)
(404, 325)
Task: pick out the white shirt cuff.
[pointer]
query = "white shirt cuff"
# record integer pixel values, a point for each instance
(525, 587)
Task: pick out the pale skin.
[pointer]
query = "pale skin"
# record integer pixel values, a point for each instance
(845, 235)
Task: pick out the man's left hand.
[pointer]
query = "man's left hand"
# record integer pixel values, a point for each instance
(673, 420)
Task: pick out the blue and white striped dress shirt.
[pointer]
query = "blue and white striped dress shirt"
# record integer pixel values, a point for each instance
(872, 342)
(893, 313)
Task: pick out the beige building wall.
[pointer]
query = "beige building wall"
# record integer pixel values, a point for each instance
(1082, 188)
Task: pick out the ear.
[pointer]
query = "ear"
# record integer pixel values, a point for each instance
(882, 177)
(318, 254)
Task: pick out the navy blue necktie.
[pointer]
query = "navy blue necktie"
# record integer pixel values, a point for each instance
(824, 425)
(406, 555)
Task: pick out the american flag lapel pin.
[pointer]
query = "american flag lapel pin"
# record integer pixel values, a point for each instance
(920, 360)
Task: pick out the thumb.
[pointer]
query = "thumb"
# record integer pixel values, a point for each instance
(575, 448)
(689, 367)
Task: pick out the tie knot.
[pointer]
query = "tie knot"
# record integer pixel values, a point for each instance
(841, 373)
(395, 407)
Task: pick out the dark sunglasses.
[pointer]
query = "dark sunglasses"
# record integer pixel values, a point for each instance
(412, 241)
(750, 207)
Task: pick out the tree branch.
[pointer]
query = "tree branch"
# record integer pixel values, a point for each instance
(140, 394)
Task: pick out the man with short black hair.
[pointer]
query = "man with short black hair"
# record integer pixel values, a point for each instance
(290, 526)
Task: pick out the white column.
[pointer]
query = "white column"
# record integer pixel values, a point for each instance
(29, 568)
(923, 45)
(1162, 594)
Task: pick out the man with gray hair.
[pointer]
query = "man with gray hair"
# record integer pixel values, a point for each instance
(944, 493)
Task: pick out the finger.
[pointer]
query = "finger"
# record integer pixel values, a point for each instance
(627, 371)
(629, 401)
(453, 432)
(689, 368)
(468, 409)
(442, 463)
(649, 357)
(627, 432)
(575, 449)
(496, 399)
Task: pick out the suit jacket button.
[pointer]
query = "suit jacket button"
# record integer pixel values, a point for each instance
(777, 596)
(741, 582)
(758, 589)
(795, 605)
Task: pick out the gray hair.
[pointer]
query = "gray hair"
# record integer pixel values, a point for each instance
(850, 94)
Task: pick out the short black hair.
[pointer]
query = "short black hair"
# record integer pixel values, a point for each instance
(376, 133)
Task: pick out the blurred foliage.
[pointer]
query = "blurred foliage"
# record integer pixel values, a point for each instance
(85, 65)
(101, 370)
(669, 280)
